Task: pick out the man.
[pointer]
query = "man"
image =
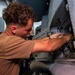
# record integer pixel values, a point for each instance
(13, 44)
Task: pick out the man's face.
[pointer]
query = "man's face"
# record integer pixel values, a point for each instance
(24, 31)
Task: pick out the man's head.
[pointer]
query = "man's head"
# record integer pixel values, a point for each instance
(18, 18)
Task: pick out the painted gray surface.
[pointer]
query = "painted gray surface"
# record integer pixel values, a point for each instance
(2, 24)
(2, 27)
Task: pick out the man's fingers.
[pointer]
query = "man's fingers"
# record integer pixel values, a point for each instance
(56, 35)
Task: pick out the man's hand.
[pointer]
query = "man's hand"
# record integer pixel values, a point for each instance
(56, 35)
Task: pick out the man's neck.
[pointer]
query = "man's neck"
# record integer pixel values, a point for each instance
(8, 31)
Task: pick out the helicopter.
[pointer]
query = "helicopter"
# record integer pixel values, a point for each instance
(55, 16)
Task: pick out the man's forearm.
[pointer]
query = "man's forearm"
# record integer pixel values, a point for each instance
(48, 45)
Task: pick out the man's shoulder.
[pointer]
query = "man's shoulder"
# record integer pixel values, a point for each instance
(4, 36)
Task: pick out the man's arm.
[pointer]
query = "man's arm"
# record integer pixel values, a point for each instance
(56, 35)
(48, 45)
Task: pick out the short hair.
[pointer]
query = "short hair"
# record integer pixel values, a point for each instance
(18, 14)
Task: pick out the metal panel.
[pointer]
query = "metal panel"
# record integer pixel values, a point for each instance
(71, 4)
(1, 25)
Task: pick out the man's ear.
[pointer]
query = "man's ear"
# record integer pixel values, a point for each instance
(13, 29)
